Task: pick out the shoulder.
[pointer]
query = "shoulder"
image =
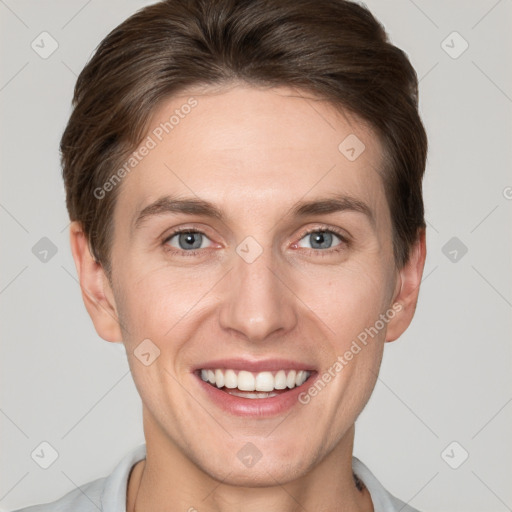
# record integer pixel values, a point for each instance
(86, 498)
(383, 501)
(107, 494)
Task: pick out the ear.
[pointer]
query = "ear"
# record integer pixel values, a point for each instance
(406, 294)
(96, 290)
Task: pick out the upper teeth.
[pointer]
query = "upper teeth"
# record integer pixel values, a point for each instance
(248, 381)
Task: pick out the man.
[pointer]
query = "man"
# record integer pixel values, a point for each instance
(244, 184)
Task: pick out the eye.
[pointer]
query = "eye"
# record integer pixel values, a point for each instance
(321, 239)
(187, 240)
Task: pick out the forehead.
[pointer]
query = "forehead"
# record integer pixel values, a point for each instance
(259, 148)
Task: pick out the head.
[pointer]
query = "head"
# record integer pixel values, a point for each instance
(283, 138)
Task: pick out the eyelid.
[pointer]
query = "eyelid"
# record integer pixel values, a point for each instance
(345, 241)
(339, 233)
(178, 231)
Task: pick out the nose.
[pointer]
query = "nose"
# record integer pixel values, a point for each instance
(258, 303)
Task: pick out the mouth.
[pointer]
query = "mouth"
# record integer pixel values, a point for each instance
(257, 389)
(252, 385)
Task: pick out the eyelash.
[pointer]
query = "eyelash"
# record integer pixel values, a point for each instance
(318, 252)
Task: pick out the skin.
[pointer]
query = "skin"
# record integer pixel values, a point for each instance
(254, 153)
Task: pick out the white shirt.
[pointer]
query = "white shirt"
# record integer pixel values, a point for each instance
(108, 494)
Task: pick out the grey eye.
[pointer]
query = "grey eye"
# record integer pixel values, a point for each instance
(188, 240)
(320, 239)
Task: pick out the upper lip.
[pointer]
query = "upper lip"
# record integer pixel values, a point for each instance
(255, 366)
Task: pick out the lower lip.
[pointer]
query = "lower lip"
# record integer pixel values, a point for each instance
(255, 407)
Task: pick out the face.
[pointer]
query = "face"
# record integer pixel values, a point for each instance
(284, 271)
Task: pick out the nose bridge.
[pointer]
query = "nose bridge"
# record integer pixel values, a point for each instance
(257, 303)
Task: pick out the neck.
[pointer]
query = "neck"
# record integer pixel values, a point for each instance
(168, 476)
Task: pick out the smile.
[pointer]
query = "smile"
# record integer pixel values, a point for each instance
(247, 384)
(257, 389)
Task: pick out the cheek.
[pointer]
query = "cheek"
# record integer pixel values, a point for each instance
(347, 299)
(153, 307)
(153, 303)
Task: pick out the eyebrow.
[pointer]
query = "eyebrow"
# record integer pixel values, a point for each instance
(200, 207)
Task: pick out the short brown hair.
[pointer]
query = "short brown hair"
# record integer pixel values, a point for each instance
(334, 49)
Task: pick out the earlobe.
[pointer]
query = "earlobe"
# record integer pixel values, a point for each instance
(96, 290)
(408, 287)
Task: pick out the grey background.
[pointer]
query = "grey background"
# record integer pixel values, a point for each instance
(447, 379)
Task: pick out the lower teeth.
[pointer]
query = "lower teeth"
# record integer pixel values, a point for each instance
(250, 394)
